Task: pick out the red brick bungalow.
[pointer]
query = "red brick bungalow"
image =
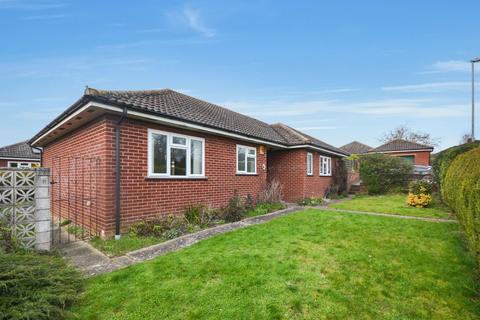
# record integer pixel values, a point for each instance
(417, 153)
(19, 155)
(159, 151)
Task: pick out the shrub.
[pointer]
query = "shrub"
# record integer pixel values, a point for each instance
(339, 179)
(421, 200)
(36, 286)
(272, 193)
(311, 201)
(264, 208)
(8, 243)
(235, 210)
(381, 173)
(461, 192)
(443, 159)
(420, 187)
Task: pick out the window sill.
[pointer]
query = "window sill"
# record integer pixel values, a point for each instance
(246, 174)
(325, 175)
(175, 178)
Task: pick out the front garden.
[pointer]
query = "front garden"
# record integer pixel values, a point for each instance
(308, 265)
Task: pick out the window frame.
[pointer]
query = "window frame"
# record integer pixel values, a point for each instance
(170, 145)
(329, 166)
(310, 156)
(247, 148)
(19, 164)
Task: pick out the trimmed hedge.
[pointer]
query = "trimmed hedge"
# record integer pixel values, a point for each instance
(442, 160)
(461, 192)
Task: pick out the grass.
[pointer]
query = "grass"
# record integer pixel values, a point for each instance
(393, 204)
(308, 265)
(127, 243)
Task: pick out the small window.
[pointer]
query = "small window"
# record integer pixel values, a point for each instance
(325, 166)
(13, 164)
(246, 160)
(309, 164)
(172, 155)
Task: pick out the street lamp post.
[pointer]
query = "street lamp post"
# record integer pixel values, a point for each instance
(473, 61)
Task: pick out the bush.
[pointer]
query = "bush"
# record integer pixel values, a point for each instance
(264, 208)
(311, 201)
(36, 286)
(8, 243)
(443, 159)
(201, 215)
(339, 179)
(381, 173)
(272, 193)
(420, 187)
(235, 210)
(461, 192)
(421, 200)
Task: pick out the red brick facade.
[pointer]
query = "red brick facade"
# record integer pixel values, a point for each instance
(420, 157)
(290, 168)
(141, 197)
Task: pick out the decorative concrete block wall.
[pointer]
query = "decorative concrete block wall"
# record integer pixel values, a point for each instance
(25, 205)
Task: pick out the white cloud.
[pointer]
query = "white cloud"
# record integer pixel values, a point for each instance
(448, 66)
(194, 21)
(430, 87)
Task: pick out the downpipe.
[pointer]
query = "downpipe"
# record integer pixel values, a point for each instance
(118, 175)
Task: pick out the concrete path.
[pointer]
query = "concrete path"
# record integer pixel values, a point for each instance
(93, 262)
(326, 208)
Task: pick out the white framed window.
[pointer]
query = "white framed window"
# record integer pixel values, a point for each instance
(16, 164)
(246, 160)
(175, 155)
(309, 164)
(325, 166)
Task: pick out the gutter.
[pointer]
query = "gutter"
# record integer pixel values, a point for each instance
(118, 131)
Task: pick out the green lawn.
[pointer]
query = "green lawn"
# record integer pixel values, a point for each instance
(115, 248)
(393, 204)
(308, 265)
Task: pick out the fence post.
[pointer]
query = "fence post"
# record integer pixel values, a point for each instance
(42, 209)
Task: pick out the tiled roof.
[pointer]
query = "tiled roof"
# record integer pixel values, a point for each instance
(356, 147)
(294, 137)
(19, 150)
(177, 105)
(400, 145)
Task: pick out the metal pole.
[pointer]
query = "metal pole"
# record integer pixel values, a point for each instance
(473, 101)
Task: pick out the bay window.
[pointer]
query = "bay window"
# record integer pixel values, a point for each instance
(246, 160)
(175, 155)
(325, 166)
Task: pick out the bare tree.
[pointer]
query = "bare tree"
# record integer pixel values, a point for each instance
(466, 138)
(405, 133)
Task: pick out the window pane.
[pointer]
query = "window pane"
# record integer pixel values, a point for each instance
(251, 151)
(241, 159)
(159, 153)
(13, 165)
(309, 163)
(251, 164)
(196, 157)
(179, 162)
(179, 140)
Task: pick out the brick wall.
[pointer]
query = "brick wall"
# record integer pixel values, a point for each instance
(149, 197)
(3, 163)
(142, 197)
(82, 173)
(421, 157)
(290, 168)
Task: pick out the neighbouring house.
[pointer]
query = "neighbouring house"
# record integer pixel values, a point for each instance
(135, 155)
(416, 153)
(20, 155)
(352, 164)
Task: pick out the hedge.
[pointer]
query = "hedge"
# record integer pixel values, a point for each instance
(443, 159)
(461, 192)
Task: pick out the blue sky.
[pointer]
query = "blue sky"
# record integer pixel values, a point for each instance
(339, 71)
